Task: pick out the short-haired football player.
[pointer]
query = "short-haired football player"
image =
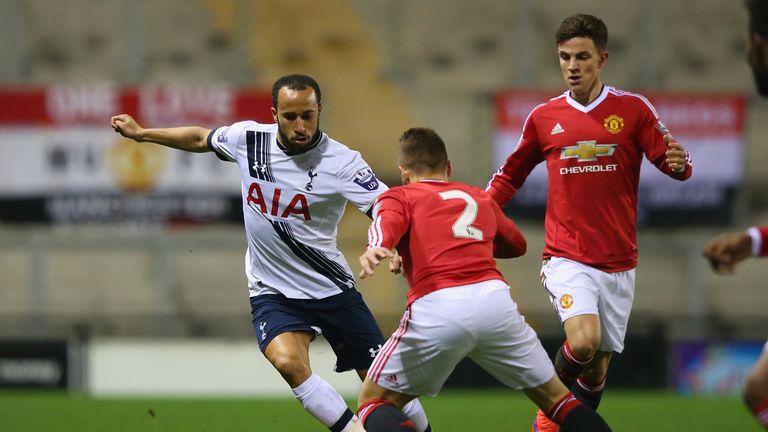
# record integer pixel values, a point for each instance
(458, 304)
(728, 249)
(593, 138)
(296, 182)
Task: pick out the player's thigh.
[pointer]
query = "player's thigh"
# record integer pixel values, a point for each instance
(507, 347)
(420, 355)
(617, 293)
(274, 315)
(583, 333)
(571, 287)
(289, 351)
(352, 332)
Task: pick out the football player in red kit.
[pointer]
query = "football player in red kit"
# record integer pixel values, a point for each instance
(593, 138)
(728, 249)
(459, 305)
(724, 252)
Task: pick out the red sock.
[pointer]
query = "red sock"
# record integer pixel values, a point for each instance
(571, 358)
(368, 407)
(760, 410)
(561, 409)
(567, 366)
(588, 394)
(381, 415)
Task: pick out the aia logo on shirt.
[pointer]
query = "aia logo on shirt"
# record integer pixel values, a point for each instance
(274, 205)
(366, 180)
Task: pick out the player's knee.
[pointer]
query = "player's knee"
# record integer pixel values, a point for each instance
(584, 346)
(293, 369)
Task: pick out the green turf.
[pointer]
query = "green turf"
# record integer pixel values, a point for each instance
(450, 412)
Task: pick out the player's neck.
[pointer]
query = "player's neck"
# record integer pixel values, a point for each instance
(588, 97)
(430, 177)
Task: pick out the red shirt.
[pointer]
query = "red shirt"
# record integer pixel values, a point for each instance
(445, 232)
(593, 156)
(763, 231)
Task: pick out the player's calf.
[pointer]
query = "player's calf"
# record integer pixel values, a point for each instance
(590, 395)
(326, 405)
(383, 416)
(568, 366)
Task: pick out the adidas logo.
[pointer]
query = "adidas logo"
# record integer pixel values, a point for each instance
(557, 129)
(392, 379)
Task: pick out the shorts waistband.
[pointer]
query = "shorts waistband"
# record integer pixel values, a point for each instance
(468, 291)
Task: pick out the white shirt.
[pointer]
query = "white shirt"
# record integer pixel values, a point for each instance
(292, 205)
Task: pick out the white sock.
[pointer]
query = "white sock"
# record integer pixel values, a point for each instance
(324, 403)
(415, 412)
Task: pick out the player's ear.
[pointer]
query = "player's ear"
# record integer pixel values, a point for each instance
(274, 114)
(448, 169)
(405, 175)
(603, 58)
(319, 107)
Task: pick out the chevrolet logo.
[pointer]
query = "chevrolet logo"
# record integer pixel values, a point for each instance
(587, 151)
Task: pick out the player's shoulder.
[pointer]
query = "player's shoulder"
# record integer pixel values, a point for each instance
(633, 98)
(478, 194)
(252, 125)
(239, 128)
(411, 191)
(341, 156)
(334, 148)
(548, 105)
(432, 187)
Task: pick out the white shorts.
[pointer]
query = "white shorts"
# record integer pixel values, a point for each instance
(578, 289)
(479, 321)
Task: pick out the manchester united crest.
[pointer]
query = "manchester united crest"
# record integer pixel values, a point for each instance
(613, 124)
(566, 301)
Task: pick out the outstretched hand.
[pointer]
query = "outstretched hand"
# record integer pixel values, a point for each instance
(677, 157)
(372, 258)
(126, 126)
(727, 250)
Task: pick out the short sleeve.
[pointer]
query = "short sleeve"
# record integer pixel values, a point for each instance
(224, 140)
(358, 184)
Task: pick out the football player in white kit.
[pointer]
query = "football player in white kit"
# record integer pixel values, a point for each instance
(296, 182)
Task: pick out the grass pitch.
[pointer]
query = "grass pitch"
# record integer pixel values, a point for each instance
(452, 411)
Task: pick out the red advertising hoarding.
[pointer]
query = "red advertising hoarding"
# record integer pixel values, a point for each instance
(63, 163)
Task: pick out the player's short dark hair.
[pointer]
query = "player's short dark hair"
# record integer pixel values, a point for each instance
(758, 16)
(422, 151)
(583, 25)
(294, 82)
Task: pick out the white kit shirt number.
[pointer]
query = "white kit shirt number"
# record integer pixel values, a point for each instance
(462, 227)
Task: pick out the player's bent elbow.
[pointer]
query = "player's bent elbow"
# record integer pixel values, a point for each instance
(504, 250)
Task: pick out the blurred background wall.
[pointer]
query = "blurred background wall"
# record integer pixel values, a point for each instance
(383, 66)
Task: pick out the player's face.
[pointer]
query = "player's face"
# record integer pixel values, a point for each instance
(297, 115)
(581, 63)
